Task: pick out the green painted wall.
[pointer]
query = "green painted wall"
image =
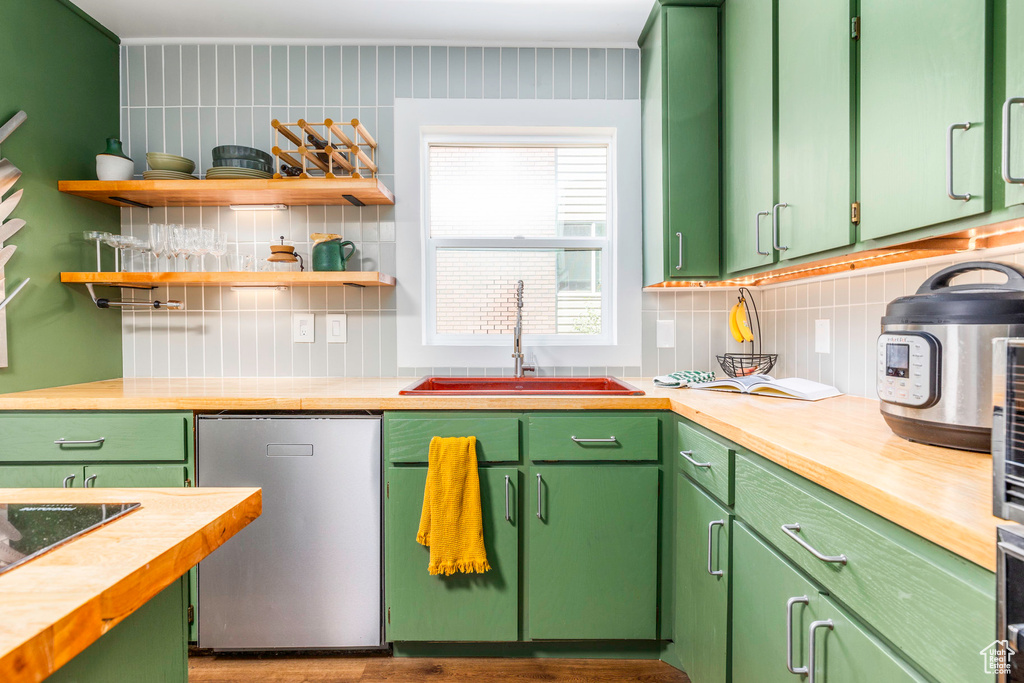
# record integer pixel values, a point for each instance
(63, 71)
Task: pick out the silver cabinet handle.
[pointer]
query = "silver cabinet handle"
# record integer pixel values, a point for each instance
(539, 516)
(949, 160)
(757, 232)
(811, 631)
(508, 517)
(1007, 139)
(64, 442)
(688, 454)
(90, 481)
(775, 226)
(711, 528)
(69, 480)
(679, 261)
(610, 439)
(791, 531)
(802, 600)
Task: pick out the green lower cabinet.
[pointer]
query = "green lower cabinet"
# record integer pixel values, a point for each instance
(770, 597)
(701, 632)
(593, 546)
(134, 476)
(40, 476)
(150, 645)
(462, 607)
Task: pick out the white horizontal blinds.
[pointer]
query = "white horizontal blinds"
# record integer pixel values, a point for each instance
(582, 177)
(517, 191)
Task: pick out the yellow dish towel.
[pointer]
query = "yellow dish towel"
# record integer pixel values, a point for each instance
(451, 522)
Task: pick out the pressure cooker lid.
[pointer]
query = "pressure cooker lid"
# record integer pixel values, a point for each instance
(936, 302)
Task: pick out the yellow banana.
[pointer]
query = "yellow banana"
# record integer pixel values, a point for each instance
(742, 323)
(734, 325)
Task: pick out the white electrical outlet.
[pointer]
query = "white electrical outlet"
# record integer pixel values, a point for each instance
(302, 328)
(823, 336)
(337, 328)
(666, 334)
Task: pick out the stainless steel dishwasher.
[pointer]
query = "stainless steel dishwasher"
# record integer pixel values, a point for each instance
(307, 572)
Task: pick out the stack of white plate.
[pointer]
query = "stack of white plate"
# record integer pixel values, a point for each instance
(167, 175)
(230, 172)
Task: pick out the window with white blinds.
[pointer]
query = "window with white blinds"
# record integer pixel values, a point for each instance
(535, 210)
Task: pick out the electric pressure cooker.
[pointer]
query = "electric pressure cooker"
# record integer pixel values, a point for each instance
(934, 370)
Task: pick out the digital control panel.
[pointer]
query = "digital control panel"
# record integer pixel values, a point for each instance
(908, 369)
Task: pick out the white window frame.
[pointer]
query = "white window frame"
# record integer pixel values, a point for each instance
(416, 118)
(469, 138)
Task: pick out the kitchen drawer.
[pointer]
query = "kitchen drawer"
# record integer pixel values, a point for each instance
(706, 459)
(407, 439)
(30, 437)
(934, 606)
(605, 437)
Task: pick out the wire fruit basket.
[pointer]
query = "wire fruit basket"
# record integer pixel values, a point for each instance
(755, 362)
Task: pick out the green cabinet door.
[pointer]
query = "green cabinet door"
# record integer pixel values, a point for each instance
(922, 69)
(762, 585)
(680, 122)
(748, 133)
(461, 607)
(135, 476)
(703, 573)
(593, 552)
(846, 652)
(40, 476)
(815, 85)
(1012, 34)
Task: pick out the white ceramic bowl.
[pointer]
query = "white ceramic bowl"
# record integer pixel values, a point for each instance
(110, 167)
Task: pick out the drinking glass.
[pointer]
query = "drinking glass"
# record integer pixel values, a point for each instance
(177, 241)
(157, 243)
(204, 241)
(115, 242)
(219, 248)
(99, 238)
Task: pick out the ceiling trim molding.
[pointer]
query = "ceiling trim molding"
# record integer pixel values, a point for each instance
(628, 45)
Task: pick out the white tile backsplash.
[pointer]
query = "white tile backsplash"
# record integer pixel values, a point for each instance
(187, 99)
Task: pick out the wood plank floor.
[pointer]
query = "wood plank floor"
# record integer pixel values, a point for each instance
(385, 669)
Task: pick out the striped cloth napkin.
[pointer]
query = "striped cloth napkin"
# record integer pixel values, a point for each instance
(683, 378)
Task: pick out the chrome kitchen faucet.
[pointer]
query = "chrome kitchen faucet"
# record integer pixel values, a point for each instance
(517, 336)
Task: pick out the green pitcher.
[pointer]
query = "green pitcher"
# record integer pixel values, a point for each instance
(330, 255)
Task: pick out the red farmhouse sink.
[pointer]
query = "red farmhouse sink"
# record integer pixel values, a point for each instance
(523, 386)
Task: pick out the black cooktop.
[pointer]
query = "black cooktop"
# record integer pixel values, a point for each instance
(27, 530)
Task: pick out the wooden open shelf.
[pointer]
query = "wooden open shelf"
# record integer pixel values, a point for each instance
(268, 279)
(289, 191)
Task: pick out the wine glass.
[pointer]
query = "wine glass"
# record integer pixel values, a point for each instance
(204, 242)
(177, 242)
(139, 247)
(219, 248)
(157, 242)
(99, 238)
(114, 241)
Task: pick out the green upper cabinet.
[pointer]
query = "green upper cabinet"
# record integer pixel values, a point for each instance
(680, 121)
(703, 573)
(815, 114)
(923, 76)
(748, 133)
(593, 545)
(1012, 148)
(478, 607)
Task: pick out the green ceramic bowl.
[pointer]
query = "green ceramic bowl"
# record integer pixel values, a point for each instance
(169, 162)
(240, 152)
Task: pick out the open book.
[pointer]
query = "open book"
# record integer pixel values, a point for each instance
(790, 387)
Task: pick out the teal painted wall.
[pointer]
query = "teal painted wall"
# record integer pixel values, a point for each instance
(63, 71)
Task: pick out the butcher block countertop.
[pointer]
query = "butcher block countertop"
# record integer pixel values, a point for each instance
(842, 443)
(58, 604)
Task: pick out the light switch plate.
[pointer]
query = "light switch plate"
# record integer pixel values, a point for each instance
(666, 334)
(337, 328)
(302, 328)
(823, 335)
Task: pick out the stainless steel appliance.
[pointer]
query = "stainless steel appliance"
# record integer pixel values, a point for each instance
(935, 351)
(307, 572)
(1010, 604)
